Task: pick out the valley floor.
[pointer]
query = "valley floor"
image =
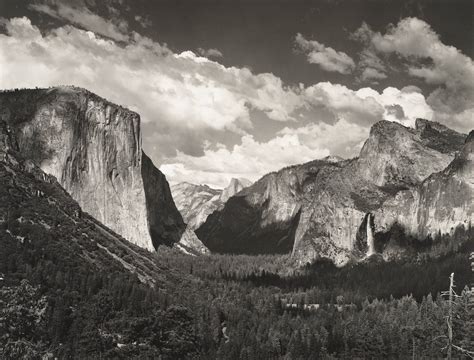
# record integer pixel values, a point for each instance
(228, 307)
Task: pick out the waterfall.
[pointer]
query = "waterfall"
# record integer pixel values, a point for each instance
(370, 237)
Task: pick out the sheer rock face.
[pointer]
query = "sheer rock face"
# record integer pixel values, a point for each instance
(197, 202)
(44, 210)
(165, 223)
(439, 204)
(395, 155)
(319, 209)
(262, 218)
(94, 149)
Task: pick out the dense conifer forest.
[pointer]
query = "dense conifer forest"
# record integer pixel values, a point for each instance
(225, 307)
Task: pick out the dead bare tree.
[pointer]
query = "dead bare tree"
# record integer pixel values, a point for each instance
(452, 302)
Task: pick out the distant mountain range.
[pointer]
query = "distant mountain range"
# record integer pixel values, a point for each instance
(407, 183)
(197, 202)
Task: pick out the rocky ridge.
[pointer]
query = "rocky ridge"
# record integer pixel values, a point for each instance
(320, 209)
(197, 202)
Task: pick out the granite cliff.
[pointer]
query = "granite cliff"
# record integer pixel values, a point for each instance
(197, 202)
(325, 208)
(94, 149)
(35, 209)
(442, 204)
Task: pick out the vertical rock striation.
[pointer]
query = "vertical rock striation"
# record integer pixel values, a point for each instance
(441, 203)
(165, 223)
(94, 149)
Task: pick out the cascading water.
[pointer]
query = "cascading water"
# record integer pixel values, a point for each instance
(370, 237)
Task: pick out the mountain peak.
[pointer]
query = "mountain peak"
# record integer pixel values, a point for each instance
(422, 124)
(388, 128)
(234, 187)
(439, 137)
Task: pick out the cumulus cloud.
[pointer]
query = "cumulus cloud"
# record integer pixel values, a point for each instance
(415, 41)
(189, 103)
(354, 111)
(179, 96)
(403, 106)
(344, 103)
(342, 138)
(367, 106)
(210, 52)
(327, 58)
(86, 19)
(250, 159)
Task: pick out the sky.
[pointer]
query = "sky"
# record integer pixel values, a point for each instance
(235, 88)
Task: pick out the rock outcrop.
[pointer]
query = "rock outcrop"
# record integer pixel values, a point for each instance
(93, 148)
(439, 205)
(165, 223)
(320, 209)
(197, 202)
(262, 218)
(395, 155)
(233, 188)
(35, 208)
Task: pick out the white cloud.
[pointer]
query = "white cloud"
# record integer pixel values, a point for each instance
(327, 58)
(179, 96)
(345, 103)
(412, 104)
(85, 18)
(415, 41)
(367, 106)
(185, 100)
(342, 138)
(252, 159)
(354, 111)
(249, 159)
(210, 52)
